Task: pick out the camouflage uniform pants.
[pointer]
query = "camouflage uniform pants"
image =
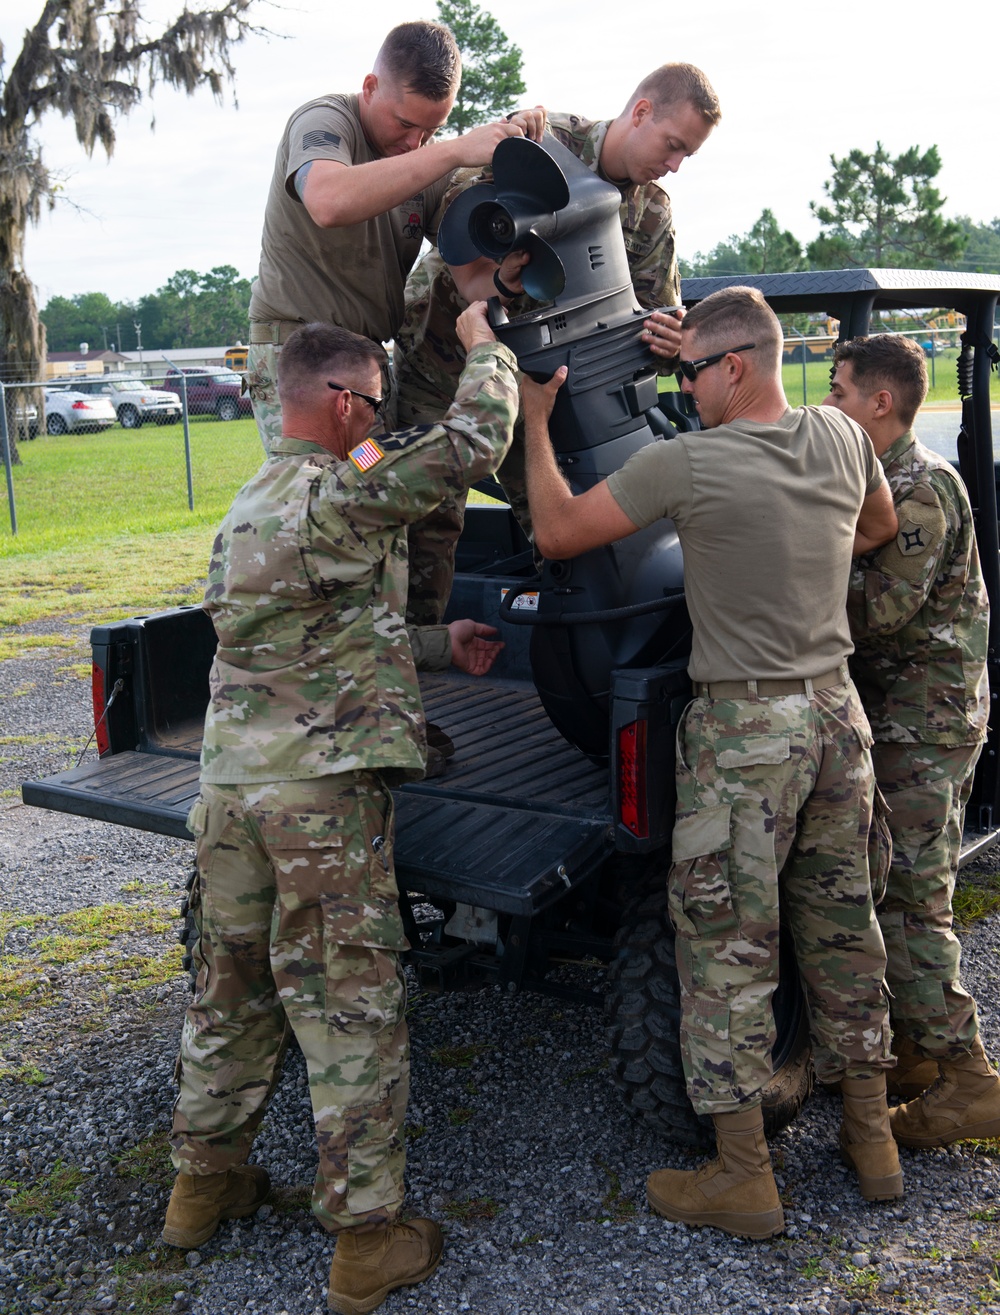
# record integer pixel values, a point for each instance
(432, 541)
(300, 926)
(774, 801)
(927, 787)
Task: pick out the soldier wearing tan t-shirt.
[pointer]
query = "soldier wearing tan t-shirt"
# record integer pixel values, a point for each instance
(775, 779)
(356, 187)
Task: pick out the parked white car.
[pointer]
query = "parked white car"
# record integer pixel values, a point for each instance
(68, 411)
(134, 402)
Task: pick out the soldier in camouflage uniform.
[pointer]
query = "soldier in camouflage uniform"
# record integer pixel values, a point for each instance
(314, 712)
(774, 778)
(920, 620)
(668, 117)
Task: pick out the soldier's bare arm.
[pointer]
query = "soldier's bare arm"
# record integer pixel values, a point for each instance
(564, 525)
(337, 194)
(877, 521)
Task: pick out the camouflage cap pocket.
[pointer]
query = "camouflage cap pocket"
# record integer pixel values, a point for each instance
(753, 751)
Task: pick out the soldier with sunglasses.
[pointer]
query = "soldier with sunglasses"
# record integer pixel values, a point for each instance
(314, 712)
(774, 777)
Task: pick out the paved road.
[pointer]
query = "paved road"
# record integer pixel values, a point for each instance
(938, 428)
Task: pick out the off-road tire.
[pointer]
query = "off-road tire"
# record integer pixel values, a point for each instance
(643, 1010)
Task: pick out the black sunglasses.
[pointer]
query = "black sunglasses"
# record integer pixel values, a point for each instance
(376, 403)
(689, 369)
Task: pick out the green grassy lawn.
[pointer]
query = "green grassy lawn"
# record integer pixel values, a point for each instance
(104, 528)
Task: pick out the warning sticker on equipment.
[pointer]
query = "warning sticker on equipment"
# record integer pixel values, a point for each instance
(527, 602)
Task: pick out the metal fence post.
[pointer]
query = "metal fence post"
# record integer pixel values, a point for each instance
(187, 429)
(5, 444)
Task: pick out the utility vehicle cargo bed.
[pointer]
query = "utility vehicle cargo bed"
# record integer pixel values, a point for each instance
(512, 776)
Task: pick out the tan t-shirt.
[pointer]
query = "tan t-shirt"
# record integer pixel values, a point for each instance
(351, 276)
(766, 515)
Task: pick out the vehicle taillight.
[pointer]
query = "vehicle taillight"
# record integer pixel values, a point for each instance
(632, 778)
(100, 708)
(81, 406)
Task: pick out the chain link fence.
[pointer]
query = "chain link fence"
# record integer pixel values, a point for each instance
(188, 409)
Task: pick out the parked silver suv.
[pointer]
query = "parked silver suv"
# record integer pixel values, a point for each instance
(133, 400)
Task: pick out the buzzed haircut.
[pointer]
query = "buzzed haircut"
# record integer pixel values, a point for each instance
(679, 84)
(889, 361)
(320, 350)
(733, 316)
(422, 57)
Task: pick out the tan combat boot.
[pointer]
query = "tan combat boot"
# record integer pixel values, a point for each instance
(735, 1192)
(370, 1262)
(914, 1071)
(199, 1203)
(866, 1142)
(963, 1102)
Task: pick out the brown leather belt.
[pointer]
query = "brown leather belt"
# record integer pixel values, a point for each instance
(768, 689)
(276, 331)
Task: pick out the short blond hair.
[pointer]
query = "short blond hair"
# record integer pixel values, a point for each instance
(671, 85)
(733, 316)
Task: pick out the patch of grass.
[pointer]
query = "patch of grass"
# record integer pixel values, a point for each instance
(812, 1268)
(975, 900)
(458, 1056)
(71, 557)
(29, 1074)
(615, 1207)
(148, 1160)
(10, 921)
(17, 644)
(476, 1207)
(44, 1198)
(861, 1282)
(459, 1116)
(151, 970)
(411, 1131)
(989, 1216)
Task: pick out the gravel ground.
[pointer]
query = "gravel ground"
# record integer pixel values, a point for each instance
(525, 1154)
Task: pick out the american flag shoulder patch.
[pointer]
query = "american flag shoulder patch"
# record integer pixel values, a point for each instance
(311, 139)
(366, 455)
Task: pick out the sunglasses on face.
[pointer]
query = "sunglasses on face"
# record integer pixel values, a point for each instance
(376, 403)
(690, 369)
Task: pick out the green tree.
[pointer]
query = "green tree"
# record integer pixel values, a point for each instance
(491, 65)
(982, 247)
(765, 249)
(89, 61)
(884, 211)
(88, 317)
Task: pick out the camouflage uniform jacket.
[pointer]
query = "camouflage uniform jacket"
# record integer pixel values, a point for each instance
(314, 673)
(426, 350)
(918, 610)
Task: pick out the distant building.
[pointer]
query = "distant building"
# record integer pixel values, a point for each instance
(60, 365)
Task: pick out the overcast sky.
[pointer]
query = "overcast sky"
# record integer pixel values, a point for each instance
(797, 82)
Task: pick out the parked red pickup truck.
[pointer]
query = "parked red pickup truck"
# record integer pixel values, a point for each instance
(210, 391)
